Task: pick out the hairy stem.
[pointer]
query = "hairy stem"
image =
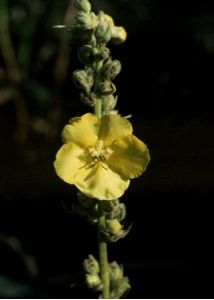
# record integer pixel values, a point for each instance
(103, 254)
(103, 251)
(98, 108)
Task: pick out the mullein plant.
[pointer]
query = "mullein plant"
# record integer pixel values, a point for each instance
(100, 154)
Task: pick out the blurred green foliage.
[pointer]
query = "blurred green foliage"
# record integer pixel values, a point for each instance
(34, 61)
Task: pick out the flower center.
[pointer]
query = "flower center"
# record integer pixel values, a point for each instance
(99, 153)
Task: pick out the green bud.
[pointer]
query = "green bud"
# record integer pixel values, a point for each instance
(106, 87)
(106, 18)
(120, 288)
(88, 100)
(93, 281)
(112, 234)
(83, 5)
(116, 271)
(85, 54)
(91, 265)
(81, 31)
(83, 20)
(86, 21)
(119, 212)
(109, 103)
(112, 68)
(103, 32)
(103, 53)
(83, 79)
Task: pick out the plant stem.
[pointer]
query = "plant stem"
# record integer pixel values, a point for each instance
(103, 251)
(103, 254)
(98, 108)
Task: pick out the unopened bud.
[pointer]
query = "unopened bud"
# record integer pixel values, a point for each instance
(91, 265)
(107, 87)
(85, 54)
(109, 103)
(116, 271)
(103, 53)
(93, 281)
(86, 21)
(103, 32)
(118, 35)
(119, 212)
(113, 226)
(107, 18)
(119, 288)
(112, 68)
(89, 99)
(83, 79)
(115, 231)
(83, 5)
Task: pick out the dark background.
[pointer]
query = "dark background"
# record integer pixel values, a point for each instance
(167, 85)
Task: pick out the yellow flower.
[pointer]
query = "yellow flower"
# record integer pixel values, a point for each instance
(100, 155)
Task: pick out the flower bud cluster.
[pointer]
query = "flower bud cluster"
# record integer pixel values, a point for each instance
(111, 68)
(83, 5)
(97, 84)
(84, 80)
(86, 24)
(119, 284)
(118, 33)
(93, 33)
(92, 273)
(115, 213)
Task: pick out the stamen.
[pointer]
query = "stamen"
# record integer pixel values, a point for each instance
(99, 153)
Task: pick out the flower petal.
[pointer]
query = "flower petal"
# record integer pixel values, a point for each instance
(82, 130)
(114, 127)
(100, 182)
(69, 160)
(130, 157)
